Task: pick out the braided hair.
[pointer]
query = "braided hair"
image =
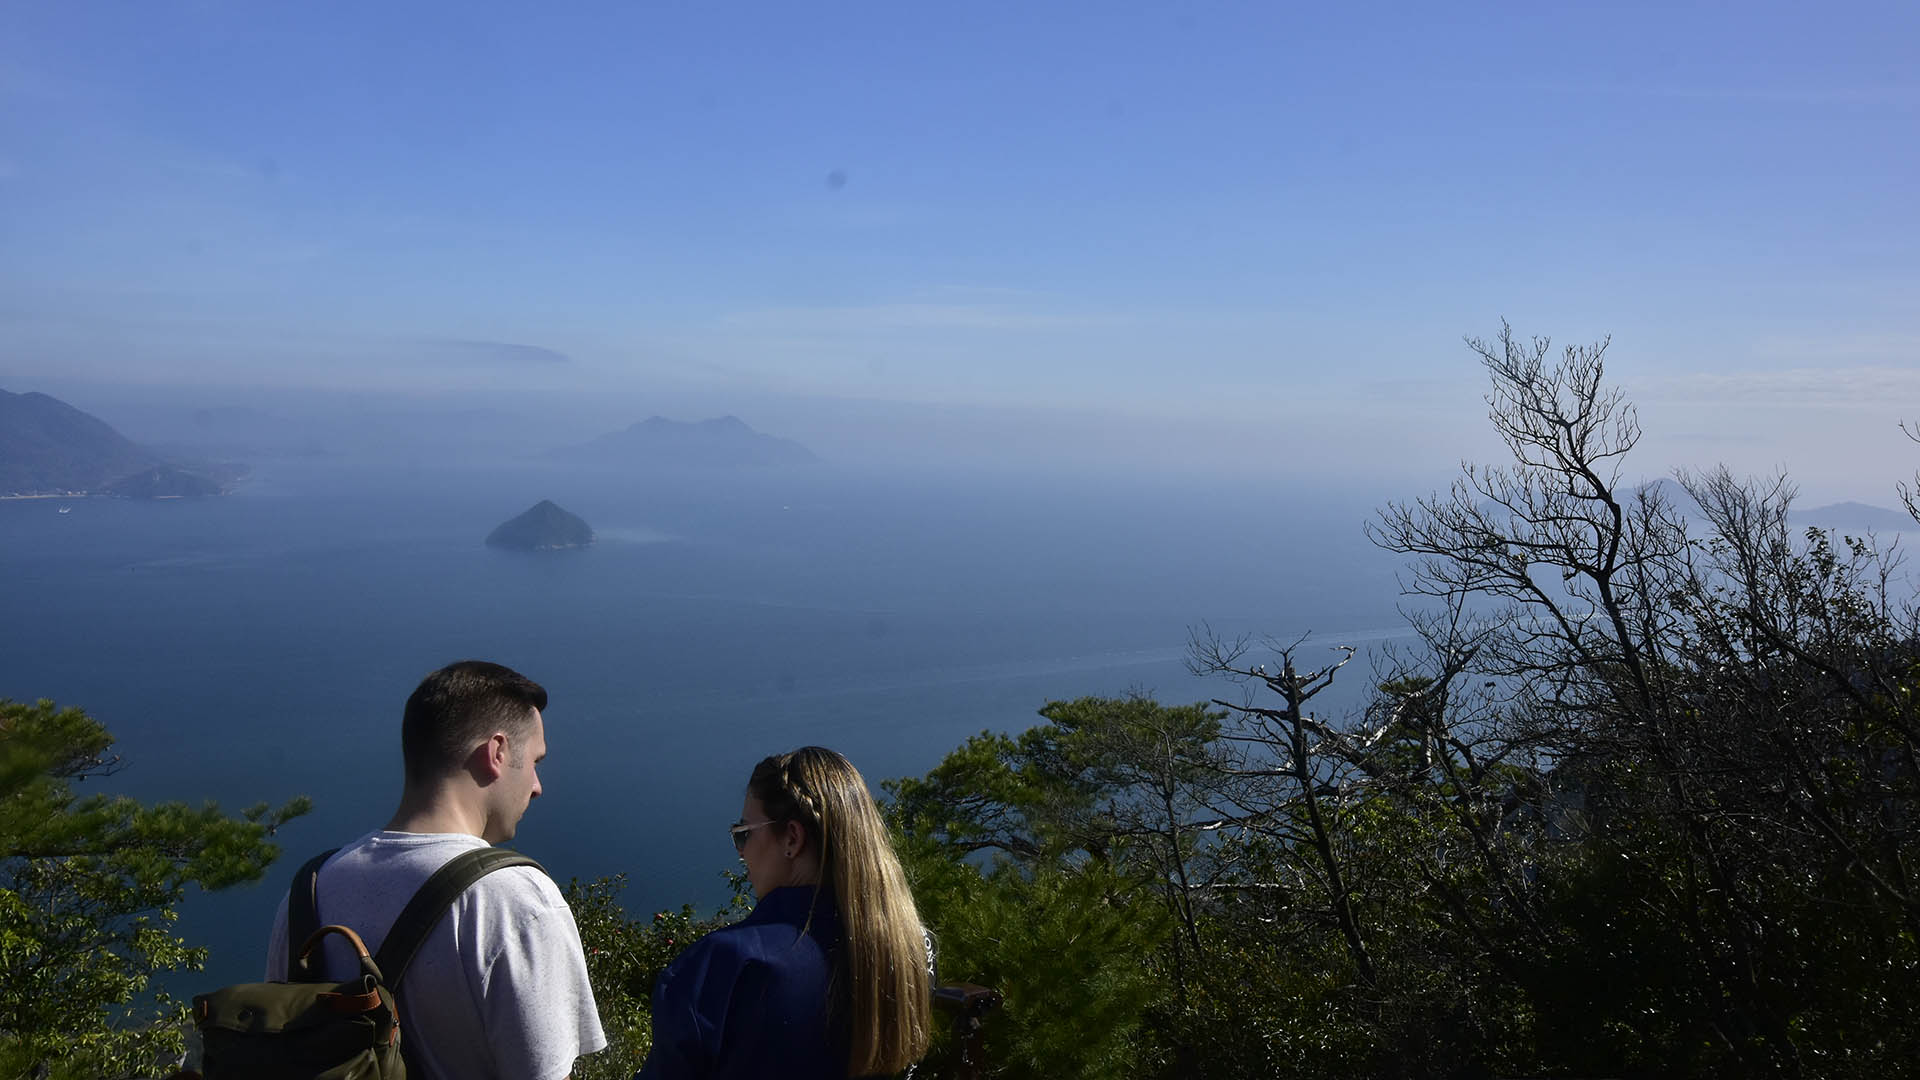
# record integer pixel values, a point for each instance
(889, 998)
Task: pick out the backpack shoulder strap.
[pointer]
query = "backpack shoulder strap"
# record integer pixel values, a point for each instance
(303, 909)
(430, 904)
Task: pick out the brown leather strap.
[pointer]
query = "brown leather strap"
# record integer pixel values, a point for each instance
(312, 945)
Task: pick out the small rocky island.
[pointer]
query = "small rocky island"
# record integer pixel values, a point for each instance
(546, 527)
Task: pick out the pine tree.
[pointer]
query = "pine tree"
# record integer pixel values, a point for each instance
(89, 891)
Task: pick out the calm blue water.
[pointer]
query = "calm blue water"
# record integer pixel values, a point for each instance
(260, 646)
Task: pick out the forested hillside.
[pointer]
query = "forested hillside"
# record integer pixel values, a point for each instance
(48, 445)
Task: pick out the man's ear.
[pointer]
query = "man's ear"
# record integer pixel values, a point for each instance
(489, 760)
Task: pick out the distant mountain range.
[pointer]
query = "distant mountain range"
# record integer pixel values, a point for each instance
(1855, 517)
(1845, 517)
(723, 442)
(49, 447)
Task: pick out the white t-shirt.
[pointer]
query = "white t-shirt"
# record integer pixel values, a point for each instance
(498, 990)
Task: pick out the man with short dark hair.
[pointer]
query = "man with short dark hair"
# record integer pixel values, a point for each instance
(499, 989)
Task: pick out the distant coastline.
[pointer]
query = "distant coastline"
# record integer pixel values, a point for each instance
(49, 449)
(95, 495)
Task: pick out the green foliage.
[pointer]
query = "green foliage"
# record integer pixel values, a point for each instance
(1059, 866)
(1111, 781)
(1071, 955)
(1106, 800)
(1273, 1000)
(624, 958)
(89, 890)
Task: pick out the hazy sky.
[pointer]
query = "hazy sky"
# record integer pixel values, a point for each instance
(1267, 223)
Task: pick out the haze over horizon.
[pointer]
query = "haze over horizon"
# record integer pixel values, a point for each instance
(1229, 238)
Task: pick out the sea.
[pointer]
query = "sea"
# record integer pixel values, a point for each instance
(259, 646)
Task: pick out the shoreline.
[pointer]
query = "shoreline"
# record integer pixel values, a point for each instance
(108, 495)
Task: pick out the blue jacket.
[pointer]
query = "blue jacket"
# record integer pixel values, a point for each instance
(755, 999)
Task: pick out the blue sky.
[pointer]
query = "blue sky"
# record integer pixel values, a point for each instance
(1236, 218)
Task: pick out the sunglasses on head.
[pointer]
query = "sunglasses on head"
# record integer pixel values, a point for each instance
(739, 830)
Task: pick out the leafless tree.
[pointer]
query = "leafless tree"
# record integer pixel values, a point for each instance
(1697, 670)
(1289, 780)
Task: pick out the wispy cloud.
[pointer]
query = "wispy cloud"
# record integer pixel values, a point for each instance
(958, 292)
(1850, 386)
(910, 316)
(1814, 352)
(1897, 95)
(459, 353)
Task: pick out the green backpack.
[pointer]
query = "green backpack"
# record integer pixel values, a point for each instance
(310, 1029)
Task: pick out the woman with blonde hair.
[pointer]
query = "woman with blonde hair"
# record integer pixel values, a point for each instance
(827, 978)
